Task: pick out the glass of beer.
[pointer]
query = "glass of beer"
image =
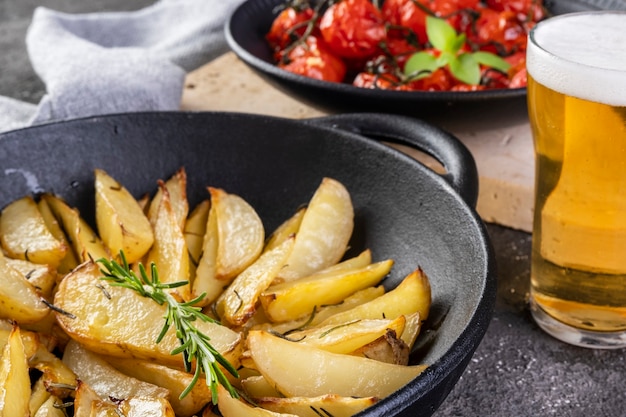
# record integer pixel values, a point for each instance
(576, 67)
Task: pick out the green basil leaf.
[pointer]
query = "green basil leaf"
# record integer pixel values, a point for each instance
(421, 65)
(441, 35)
(465, 68)
(491, 60)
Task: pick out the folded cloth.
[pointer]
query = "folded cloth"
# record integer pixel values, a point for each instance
(113, 62)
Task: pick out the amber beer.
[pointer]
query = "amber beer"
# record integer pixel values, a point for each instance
(577, 107)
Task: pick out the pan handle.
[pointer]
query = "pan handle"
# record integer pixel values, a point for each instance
(461, 172)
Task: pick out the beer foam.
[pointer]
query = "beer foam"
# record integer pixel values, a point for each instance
(581, 55)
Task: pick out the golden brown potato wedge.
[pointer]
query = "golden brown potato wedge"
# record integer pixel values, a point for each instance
(195, 228)
(14, 378)
(205, 281)
(288, 228)
(87, 403)
(70, 261)
(343, 375)
(176, 186)
(85, 242)
(256, 386)
(51, 407)
(105, 380)
(297, 298)
(322, 313)
(169, 251)
(241, 235)
(238, 302)
(122, 225)
(348, 337)
(25, 235)
(236, 407)
(42, 277)
(19, 300)
(174, 380)
(56, 376)
(410, 296)
(325, 405)
(146, 406)
(324, 233)
(100, 321)
(38, 396)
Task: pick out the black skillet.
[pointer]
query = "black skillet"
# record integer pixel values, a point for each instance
(403, 210)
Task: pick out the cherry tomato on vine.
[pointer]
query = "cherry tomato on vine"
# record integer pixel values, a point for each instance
(519, 79)
(461, 14)
(353, 28)
(313, 59)
(288, 26)
(408, 14)
(499, 32)
(439, 80)
(385, 81)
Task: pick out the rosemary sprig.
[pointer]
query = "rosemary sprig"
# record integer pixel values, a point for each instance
(194, 345)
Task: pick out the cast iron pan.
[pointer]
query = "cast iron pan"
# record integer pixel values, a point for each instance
(403, 210)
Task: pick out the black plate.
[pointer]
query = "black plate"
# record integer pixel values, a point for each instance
(403, 210)
(245, 33)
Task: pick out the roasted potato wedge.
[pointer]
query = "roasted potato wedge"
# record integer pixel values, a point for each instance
(42, 277)
(205, 281)
(323, 312)
(238, 302)
(70, 261)
(14, 378)
(25, 235)
(410, 296)
(104, 379)
(169, 251)
(297, 298)
(51, 407)
(85, 242)
(325, 405)
(348, 337)
(122, 225)
(241, 235)
(19, 300)
(176, 187)
(194, 231)
(146, 406)
(174, 380)
(100, 321)
(236, 407)
(288, 228)
(343, 375)
(323, 235)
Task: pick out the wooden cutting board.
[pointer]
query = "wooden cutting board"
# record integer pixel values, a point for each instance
(500, 140)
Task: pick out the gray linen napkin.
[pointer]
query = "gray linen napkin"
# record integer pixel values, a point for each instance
(99, 63)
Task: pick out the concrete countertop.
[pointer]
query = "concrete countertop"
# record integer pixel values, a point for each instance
(517, 370)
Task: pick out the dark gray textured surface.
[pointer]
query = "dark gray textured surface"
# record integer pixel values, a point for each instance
(517, 370)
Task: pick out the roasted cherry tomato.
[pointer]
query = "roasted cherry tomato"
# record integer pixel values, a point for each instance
(408, 14)
(499, 32)
(519, 79)
(313, 59)
(288, 26)
(439, 80)
(459, 13)
(353, 28)
(385, 81)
